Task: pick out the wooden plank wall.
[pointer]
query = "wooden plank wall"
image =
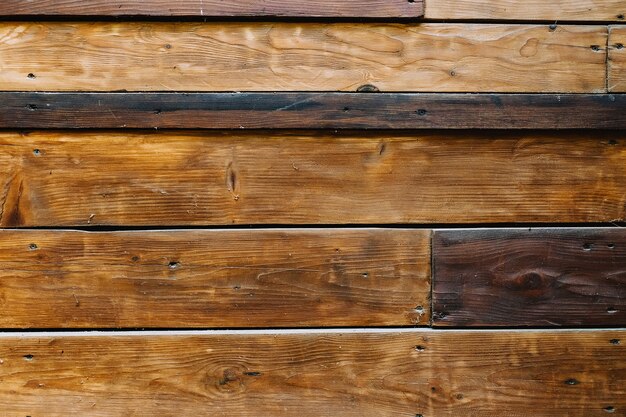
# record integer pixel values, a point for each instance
(280, 208)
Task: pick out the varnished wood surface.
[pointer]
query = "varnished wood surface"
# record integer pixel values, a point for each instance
(556, 10)
(312, 110)
(617, 59)
(157, 178)
(214, 278)
(222, 56)
(347, 373)
(208, 8)
(537, 277)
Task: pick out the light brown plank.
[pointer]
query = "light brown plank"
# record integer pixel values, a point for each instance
(557, 10)
(204, 178)
(617, 59)
(299, 56)
(214, 278)
(342, 373)
(208, 8)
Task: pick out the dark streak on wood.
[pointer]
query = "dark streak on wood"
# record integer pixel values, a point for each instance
(214, 8)
(523, 277)
(22, 110)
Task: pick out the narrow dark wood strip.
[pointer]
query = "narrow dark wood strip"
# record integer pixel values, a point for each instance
(208, 8)
(335, 373)
(311, 110)
(523, 277)
(214, 278)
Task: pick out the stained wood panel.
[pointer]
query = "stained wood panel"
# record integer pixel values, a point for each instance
(617, 59)
(557, 10)
(298, 56)
(214, 278)
(207, 8)
(384, 373)
(530, 277)
(204, 178)
(311, 110)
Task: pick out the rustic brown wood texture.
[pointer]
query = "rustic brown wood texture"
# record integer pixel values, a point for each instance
(205, 178)
(557, 10)
(207, 8)
(410, 373)
(529, 277)
(222, 56)
(311, 110)
(617, 59)
(215, 278)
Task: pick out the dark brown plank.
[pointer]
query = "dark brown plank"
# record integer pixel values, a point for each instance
(214, 278)
(311, 110)
(328, 373)
(87, 178)
(530, 277)
(214, 8)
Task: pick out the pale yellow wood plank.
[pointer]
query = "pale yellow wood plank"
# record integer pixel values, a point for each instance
(557, 10)
(300, 56)
(617, 59)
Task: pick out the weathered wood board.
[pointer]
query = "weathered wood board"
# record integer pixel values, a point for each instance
(64, 110)
(530, 277)
(227, 178)
(556, 10)
(214, 278)
(343, 372)
(214, 8)
(617, 59)
(255, 56)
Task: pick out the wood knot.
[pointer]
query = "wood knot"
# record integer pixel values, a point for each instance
(230, 375)
(529, 281)
(368, 88)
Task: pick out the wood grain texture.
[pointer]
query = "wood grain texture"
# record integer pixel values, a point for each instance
(59, 56)
(617, 59)
(204, 178)
(311, 110)
(214, 278)
(557, 10)
(208, 8)
(429, 373)
(523, 277)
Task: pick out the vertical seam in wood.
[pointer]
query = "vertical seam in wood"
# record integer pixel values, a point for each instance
(607, 58)
(432, 278)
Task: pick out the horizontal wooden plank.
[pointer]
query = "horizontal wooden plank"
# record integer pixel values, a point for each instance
(347, 373)
(256, 56)
(530, 277)
(91, 178)
(617, 59)
(207, 8)
(557, 10)
(215, 278)
(311, 110)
